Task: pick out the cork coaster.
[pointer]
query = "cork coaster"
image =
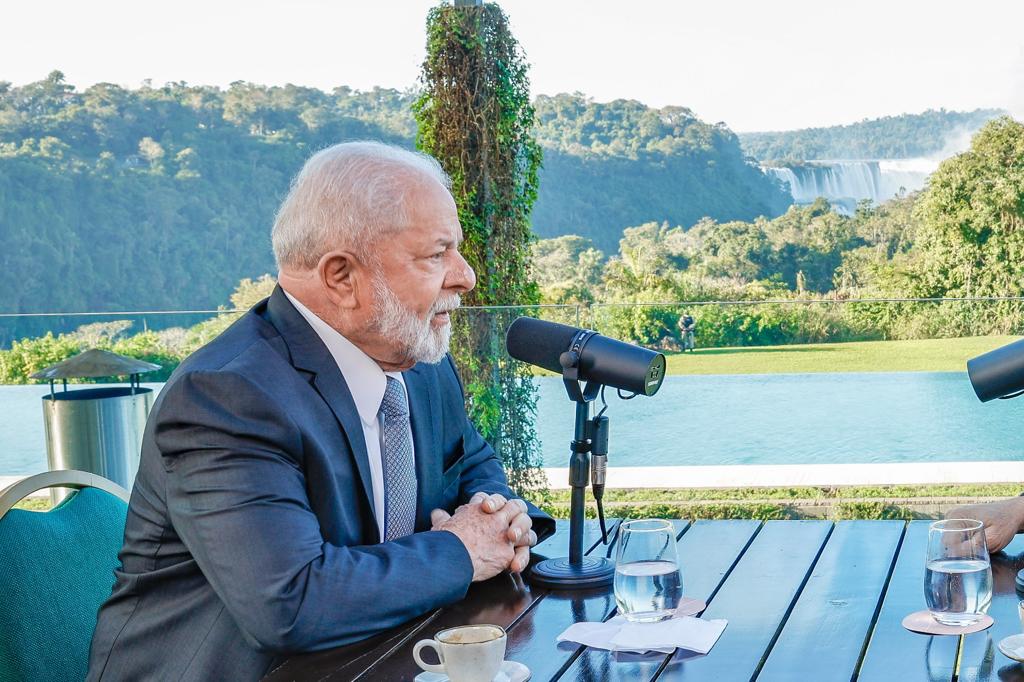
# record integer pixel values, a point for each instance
(924, 623)
(689, 607)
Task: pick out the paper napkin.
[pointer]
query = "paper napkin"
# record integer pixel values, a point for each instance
(618, 634)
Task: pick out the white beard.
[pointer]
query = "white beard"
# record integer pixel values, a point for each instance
(417, 339)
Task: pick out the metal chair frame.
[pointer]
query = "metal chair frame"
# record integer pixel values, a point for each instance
(64, 478)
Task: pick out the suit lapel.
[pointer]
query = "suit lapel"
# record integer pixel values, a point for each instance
(424, 394)
(309, 354)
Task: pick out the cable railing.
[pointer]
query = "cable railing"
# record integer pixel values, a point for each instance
(798, 301)
(542, 306)
(238, 311)
(723, 322)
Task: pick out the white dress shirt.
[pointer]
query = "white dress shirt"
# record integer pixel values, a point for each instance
(366, 381)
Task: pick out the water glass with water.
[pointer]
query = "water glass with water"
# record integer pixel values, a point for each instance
(648, 582)
(958, 575)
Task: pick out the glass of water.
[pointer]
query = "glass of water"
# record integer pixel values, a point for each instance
(958, 575)
(648, 583)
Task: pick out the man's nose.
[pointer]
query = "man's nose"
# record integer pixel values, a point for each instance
(460, 275)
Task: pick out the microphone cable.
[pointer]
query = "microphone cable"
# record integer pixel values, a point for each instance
(599, 463)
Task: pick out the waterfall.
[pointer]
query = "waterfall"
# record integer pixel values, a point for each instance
(906, 174)
(845, 183)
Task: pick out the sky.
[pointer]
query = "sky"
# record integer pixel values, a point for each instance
(755, 65)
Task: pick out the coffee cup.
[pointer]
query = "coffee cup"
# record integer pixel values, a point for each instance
(468, 653)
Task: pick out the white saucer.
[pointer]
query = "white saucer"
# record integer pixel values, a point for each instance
(511, 671)
(1013, 647)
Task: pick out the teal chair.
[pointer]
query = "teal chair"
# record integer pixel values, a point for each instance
(56, 568)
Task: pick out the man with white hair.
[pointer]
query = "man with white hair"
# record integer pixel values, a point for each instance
(310, 477)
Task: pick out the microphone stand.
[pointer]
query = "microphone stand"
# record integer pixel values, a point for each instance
(577, 571)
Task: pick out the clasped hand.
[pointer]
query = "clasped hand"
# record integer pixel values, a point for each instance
(1002, 520)
(497, 533)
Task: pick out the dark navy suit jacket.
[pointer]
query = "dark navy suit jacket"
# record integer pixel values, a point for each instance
(251, 533)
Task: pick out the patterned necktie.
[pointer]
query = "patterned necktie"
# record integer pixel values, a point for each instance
(399, 465)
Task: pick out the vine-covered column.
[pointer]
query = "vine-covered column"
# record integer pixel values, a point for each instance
(475, 117)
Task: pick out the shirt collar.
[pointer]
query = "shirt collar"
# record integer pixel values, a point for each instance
(366, 380)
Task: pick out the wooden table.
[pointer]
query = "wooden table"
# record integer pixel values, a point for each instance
(805, 600)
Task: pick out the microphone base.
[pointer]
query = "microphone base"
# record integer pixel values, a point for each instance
(560, 574)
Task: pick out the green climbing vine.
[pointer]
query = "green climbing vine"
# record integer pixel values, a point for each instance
(475, 117)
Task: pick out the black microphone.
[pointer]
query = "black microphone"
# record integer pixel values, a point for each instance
(998, 373)
(597, 358)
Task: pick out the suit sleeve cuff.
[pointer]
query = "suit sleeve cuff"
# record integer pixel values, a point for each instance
(543, 525)
(457, 561)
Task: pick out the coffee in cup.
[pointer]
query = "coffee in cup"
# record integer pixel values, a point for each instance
(468, 653)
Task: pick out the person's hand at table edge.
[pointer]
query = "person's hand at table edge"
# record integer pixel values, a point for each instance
(1002, 519)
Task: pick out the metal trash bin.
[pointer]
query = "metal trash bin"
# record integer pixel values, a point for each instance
(96, 429)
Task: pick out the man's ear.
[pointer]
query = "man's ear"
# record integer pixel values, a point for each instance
(344, 278)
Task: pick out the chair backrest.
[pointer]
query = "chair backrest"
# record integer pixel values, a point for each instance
(56, 569)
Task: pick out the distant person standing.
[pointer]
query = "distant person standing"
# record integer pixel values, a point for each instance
(686, 329)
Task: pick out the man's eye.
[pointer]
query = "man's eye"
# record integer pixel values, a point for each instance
(437, 256)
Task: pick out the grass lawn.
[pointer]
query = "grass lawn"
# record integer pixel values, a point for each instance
(929, 355)
(854, 502)
(837, 503)
(34, 504)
